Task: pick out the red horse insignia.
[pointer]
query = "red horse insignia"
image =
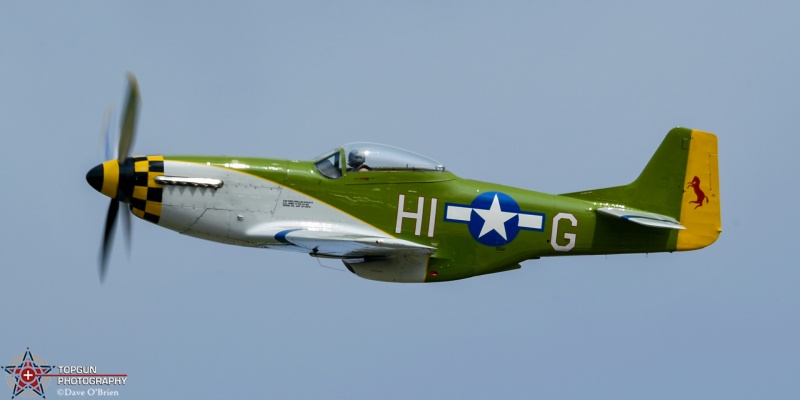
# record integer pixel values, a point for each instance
(695, 184)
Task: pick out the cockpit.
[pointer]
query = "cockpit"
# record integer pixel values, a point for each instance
(372, 157)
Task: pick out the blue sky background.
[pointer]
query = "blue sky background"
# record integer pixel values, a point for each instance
(550, 97)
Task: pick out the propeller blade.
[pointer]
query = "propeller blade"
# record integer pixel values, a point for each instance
(126, 231)
(108, 237)
(109, 147)
(128, 127)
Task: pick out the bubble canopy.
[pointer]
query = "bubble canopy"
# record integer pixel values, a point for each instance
(374, 157)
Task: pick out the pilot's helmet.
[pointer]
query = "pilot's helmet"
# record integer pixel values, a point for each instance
(355, 158)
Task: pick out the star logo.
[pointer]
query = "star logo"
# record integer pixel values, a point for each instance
(27, 375)
(494, 218)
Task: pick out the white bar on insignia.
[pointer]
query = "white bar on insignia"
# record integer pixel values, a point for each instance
(531, 221)
(457, 213)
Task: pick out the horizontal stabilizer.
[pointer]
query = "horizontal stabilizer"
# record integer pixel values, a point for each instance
(652, 220)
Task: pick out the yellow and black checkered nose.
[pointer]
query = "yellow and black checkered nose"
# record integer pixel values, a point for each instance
(132, 182)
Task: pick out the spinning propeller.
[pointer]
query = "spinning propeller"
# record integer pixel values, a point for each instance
(114, 177)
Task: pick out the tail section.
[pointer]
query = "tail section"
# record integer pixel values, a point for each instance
(680, 181)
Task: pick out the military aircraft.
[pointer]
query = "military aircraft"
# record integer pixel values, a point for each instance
(392, 215)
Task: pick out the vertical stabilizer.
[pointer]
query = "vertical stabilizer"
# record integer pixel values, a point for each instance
(681, 182)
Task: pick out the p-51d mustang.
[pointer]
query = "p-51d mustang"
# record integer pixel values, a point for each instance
(395, 216)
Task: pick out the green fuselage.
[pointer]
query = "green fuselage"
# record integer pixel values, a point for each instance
(382, 198)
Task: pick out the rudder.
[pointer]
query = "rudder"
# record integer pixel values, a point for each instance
(700, 206)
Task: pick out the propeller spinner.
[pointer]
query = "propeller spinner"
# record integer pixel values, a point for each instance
(115, 178)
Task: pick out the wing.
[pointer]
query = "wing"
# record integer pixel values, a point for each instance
(368, 254)
(645, 218)
(336, 242)
(347, 245)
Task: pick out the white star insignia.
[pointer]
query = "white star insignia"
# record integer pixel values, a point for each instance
(494, 219)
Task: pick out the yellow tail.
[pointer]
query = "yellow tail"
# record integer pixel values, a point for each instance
(700, 208)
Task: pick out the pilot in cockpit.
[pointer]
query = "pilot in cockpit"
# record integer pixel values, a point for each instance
(357, 162)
